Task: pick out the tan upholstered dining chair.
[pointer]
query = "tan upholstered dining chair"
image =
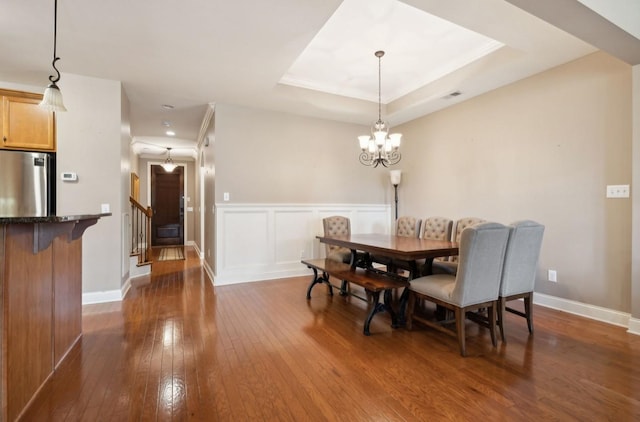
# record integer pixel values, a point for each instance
(408, 226)
(475, 286)
(436, 228)
(449, 265)
(519, 272)
(337, 226)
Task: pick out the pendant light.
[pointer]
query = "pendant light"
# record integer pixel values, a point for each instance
(168, 164)
(52, 99)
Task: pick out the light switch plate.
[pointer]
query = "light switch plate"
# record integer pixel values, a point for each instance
(105, 208)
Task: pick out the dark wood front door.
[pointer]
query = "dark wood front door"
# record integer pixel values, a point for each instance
(167, 224)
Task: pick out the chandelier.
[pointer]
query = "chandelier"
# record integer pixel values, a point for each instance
(380, 147)
(52, 99)
(168, 164)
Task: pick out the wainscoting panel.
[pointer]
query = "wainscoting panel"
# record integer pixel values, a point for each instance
(266, 241)
(246, 233)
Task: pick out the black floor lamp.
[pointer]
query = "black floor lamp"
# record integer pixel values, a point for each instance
(396, 177)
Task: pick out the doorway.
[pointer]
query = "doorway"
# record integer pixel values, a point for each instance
(167, 202)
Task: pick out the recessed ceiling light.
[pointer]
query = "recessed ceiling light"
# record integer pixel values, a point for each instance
(168, 106)
(170, 133)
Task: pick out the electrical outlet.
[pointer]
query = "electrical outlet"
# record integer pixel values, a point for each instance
(302, 254)
(553, 276)
(225, 196)
(617, 191)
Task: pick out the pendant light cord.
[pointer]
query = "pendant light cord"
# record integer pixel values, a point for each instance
(379, 86)
(52, 78)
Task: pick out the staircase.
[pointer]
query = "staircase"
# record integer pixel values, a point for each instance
(140, 254)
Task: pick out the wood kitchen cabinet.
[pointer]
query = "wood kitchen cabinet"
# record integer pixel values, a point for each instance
(24, 125)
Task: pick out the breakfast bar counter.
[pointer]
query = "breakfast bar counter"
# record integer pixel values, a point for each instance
(40, 302)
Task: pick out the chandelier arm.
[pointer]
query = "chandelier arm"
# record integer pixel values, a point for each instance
(394, 157)
(366, 158)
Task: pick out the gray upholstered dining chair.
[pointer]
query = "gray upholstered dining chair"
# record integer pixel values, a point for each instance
(449, 265)
(337, 225)
(475, 286)
(519, 271)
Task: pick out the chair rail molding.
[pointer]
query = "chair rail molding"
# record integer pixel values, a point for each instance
(256, 242)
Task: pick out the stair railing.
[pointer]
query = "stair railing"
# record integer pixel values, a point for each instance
(141, 231)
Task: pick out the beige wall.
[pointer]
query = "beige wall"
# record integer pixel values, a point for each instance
(544, 149)
(271, 157)
(90, 139)
(635, 196)
(206, 162)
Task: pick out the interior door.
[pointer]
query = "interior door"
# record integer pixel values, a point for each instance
(167, 193)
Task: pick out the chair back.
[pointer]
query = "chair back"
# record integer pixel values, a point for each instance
(436, 228)
(521, 258)
(482, 248)
(408, 226)
(337, 225)
(462, 224)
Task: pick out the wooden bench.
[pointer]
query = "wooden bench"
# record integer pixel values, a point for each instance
(373, 281)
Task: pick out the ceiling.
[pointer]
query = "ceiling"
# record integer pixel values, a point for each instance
(263, 54)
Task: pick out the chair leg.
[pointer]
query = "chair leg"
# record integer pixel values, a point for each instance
(410, 309)
(502, 304)
(528, 310)
(492, 323)
(460, 316)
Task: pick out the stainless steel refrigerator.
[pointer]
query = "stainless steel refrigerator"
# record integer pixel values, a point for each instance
(27, 184)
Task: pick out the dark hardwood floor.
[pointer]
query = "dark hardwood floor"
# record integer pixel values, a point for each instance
(179, 349)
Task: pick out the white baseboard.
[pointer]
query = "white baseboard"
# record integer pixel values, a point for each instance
(634, 326)
(102, 297)
(125, 288)
(598, 313)
(208, 270)
(197, 249)
(298, 271)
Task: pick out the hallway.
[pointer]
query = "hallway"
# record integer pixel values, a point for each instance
(176, 348)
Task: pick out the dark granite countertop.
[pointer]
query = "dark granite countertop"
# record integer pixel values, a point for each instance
(51, 218)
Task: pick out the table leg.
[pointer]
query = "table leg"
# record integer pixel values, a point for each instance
(377, 307)
(413, 273)
(389, 308)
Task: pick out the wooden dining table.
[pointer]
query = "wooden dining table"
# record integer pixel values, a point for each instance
(402, 248)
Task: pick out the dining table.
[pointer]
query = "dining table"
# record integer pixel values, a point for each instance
(401, 248)
(410, 250)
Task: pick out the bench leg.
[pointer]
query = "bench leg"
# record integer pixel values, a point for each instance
(324, 278)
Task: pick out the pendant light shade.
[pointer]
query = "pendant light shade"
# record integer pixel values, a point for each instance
(52, 99)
